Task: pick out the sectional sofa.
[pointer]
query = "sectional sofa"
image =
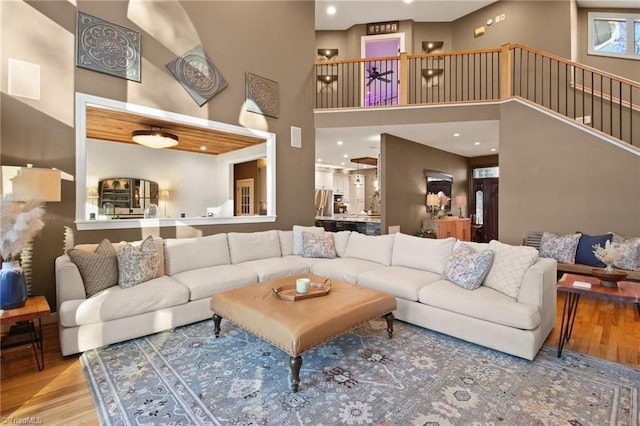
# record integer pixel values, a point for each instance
(408, 267)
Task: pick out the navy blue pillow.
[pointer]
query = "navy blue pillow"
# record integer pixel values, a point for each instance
(584, 254)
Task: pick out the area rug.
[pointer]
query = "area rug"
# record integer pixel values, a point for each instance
(187, 376)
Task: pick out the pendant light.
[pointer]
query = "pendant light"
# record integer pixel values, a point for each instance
(357, 181)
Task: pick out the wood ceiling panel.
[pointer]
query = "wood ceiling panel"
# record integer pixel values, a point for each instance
(116, 126)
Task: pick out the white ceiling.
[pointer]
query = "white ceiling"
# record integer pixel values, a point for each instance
(365, 141)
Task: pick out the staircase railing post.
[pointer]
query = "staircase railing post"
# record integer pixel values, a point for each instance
(403, 89)
(506, 71)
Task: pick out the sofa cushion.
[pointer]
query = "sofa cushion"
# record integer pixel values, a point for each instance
(318, 245)
(509, 266)
(297, 236)
(269, 269)
(340, 241)
(247, 246)
(421, 253)
(400, 281)
(117, 302)
(344, 269)
(185, 254)
(138, 264)
(584, 252)
(374, 248)
(561, 248)
(204, 282)
(309, 261)
(468, 268)
(98, 268)
(286, 242)
(483, 303)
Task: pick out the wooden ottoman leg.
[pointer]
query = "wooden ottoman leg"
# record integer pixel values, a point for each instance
(389, 318)
(216, 324)
(295, 363)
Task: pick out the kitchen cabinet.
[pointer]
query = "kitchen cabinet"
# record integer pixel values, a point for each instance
(459, 228)
(341, 185)
(324, 180)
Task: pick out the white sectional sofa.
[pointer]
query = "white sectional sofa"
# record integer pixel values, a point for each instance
(408, 267)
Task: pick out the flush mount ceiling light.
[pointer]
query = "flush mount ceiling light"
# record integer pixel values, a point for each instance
(154, 138)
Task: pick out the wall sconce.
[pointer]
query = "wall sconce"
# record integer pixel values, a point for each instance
(327, 81)
(327, 54)
(432, 46)
(154, 138)
(163, 195)
(431, 76)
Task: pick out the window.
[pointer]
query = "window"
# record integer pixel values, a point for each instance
(614, 34)
(486, 172)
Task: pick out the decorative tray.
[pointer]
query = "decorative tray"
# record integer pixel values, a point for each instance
(609, 279)
(316, 289)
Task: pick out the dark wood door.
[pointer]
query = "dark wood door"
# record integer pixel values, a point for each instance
(486, 192)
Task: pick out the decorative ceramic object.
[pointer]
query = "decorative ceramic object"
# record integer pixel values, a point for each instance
(151, 211)
(13, 286)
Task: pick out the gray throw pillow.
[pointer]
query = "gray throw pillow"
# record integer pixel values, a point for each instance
(138, 264)
(318, 245)
(98, 269)
(468, 268)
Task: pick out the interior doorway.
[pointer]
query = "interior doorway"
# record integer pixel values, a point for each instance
(485, 185)
(380, 78)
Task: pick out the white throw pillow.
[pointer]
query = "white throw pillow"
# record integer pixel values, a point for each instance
(297, 236)
(510, 263)
(421, 253)
(374, 248)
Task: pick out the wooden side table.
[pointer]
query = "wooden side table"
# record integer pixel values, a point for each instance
(626, 291)
(24, 330)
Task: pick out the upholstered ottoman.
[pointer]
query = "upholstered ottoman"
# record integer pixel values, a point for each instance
(300, 325)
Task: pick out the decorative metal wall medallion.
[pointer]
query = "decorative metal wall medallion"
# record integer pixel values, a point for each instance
(263, 95)
(107, 47)
(198, 75)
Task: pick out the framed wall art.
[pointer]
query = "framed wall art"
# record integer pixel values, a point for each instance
(198, 75)
(263, 95)
(107, 47)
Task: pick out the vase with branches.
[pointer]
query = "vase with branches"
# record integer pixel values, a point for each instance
(19, 223)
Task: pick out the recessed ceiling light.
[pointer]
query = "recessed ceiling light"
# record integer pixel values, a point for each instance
(203, 148)
(455, 135)
(342, 164)
(408, 1)
(319, 160)
(339, 142)
(346, 155)
(493, 150)
(331, 10)
(476, 143)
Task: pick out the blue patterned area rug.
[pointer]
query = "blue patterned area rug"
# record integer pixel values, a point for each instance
(419, 377)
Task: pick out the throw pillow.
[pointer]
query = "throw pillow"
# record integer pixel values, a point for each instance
(561, 248)
(98, 269)
(297, 236)
(468, 268)
(629, 254)
(318, 245)
(510, 263)
(584, 252)
(137, 264)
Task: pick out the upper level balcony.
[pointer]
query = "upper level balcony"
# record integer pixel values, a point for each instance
(604, 102)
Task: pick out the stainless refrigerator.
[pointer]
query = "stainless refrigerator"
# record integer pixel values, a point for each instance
(324, 202)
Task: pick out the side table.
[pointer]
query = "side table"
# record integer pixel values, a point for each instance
(626, 292)
(24, 330)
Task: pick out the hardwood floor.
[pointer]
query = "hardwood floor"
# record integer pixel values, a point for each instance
(59, 393)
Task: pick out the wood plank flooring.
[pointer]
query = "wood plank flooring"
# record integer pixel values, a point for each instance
(59, 395)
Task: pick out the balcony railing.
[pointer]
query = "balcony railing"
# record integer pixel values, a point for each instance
(602, 101)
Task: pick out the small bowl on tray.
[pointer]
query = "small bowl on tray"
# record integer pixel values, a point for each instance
(609, 279)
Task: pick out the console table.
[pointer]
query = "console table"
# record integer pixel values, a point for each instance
(626, 292)
(24, 330)
(459, 228)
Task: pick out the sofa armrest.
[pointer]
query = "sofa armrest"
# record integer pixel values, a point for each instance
(69, 284)
(539, 286)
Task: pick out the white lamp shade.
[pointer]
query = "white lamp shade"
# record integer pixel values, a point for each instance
(30, 184)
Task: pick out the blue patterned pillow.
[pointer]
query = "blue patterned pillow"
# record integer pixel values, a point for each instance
(318, 245)
(584, 253)
(468, 268)
(561, 248)
(138, 264)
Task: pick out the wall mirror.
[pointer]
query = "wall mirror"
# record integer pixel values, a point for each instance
(441, 184)
(196, 181)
